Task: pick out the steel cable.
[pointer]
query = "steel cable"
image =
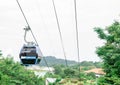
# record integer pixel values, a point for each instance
(77, 34)
(31, 31)
(60, 32)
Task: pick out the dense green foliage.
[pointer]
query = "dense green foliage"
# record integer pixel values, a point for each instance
(12, 73)
(110, 53)
(61, 71)
(71, 76)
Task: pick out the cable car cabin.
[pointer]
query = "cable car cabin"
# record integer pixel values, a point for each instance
(30, 55)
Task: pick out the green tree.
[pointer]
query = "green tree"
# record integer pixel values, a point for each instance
(58, 69)
(91, 75)
(110, 51)
(98, 64)
(12, 73)
(87, 63)
(69, 72)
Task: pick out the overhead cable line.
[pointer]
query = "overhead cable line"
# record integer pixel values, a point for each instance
(27, 21)
(77, 35)
(59, 32)
(50, 43)
(29, 29)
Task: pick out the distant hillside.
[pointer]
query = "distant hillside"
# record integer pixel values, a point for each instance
(51, 60)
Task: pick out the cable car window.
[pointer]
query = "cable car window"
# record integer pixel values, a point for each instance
(29, 48)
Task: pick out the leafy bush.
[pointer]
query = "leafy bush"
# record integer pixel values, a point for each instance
(108, 81)
(12, 73)
(91, 75)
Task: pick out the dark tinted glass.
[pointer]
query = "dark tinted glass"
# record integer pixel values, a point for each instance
(28, 61)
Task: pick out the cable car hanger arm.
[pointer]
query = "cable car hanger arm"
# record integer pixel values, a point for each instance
(28, 28)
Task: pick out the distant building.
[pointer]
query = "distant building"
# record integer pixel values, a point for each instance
(98, 71)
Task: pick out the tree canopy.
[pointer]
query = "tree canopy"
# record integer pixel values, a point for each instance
(12, 73)
(110, 51)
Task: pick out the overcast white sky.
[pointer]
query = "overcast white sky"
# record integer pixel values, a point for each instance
(41, 17)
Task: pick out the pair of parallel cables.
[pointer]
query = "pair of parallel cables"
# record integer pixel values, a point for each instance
(77, 34)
